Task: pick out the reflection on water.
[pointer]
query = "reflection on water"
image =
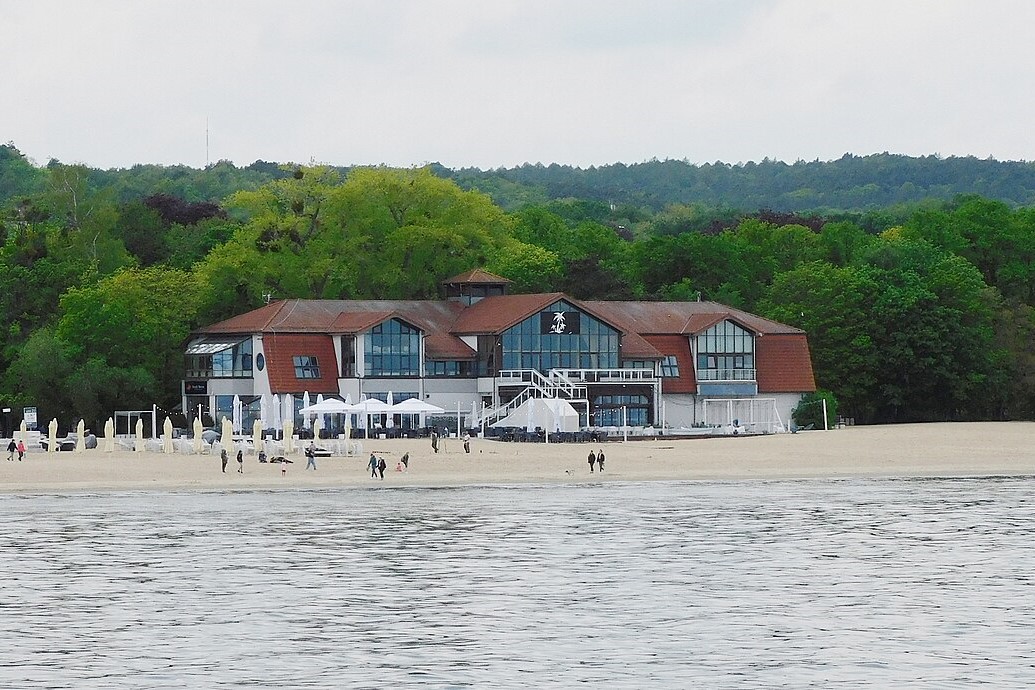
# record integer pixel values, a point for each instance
(807, 583)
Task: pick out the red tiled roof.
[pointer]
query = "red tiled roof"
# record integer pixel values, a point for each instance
(634, 346)
(281, 348)
(352, 322)
(321, 316)
(687, 318)
(783, 364)
(446, 346)
(498, 313)
(679, 347)
(476, 275)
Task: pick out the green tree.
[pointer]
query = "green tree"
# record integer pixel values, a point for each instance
(132, 326)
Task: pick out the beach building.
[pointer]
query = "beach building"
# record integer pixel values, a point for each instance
(482, 352)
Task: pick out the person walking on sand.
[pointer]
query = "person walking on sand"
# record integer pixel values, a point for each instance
(373, 466)
(434, 441)
(310, 456)
(592, 460)
(21, 450)
(240, 462)
(600, 461)
(224, 459)
(467, 442)
(406, 462)
(381, 465)
(12, 448)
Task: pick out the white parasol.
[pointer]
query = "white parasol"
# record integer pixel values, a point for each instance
(236, 411)
(167, 436)
(139, 445)
(257, 435)
(109, 435)
(199, 442)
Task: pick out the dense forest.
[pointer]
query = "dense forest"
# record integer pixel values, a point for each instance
(914, 277)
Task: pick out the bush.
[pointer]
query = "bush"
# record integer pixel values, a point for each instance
(810, 410)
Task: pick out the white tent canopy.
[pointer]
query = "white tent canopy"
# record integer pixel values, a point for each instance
(415, 406)
(328, 406)
(552, 414)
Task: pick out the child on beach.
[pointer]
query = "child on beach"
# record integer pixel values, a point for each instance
(21, 450)
(11, 448)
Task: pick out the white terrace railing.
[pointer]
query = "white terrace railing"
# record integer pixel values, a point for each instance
(606, 375)
(725, 374)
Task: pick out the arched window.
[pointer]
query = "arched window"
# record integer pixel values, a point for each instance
(392, 348)
(726, 352)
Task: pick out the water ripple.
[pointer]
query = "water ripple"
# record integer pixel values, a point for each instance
(854, 583)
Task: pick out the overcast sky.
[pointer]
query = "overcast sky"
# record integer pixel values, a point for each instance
(491, 83)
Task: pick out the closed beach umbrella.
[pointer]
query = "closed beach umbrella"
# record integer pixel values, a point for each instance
(167, 436)
(199, 439)
(227, 437)
(275, 419)
(257, 435)
(306, 419)
(389, 417)
(289, 436)
(139, 446)
(109, 435)
(236, 410)
(80, 437)
(52, 445)
(264, 412)
(323, 420)
(317, 428)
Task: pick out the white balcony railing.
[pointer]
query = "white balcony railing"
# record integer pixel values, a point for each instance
(725, 374)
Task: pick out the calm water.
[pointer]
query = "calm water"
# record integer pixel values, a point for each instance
(924, 583)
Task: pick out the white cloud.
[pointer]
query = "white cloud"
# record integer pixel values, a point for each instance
(465, 82)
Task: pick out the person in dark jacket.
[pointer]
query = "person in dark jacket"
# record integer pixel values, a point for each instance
(381, 465)
(600, 460)
(224, 458)
(592, 460)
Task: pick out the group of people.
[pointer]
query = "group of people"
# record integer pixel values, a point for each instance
(13, 448)
(596, 459)
(224, 458)
(377, 466)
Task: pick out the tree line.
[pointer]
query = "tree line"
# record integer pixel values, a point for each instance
(913, 313)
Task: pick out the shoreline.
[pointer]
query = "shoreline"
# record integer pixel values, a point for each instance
(942, 450)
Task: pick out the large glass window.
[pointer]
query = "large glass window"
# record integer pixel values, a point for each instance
(560, 337)
(726, 352)
(392, 348)
(608, 410)
(447, 367)
(348, 356)
(219, 360)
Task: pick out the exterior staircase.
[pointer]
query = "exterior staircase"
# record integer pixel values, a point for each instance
(553, 385)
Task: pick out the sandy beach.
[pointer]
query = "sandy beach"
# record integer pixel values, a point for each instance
(909, 450)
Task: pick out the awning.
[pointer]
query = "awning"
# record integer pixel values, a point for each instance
(212, 345)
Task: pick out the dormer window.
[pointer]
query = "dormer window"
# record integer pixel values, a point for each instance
(306, 367)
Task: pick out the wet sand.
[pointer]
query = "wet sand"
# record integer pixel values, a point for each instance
(908, 450)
